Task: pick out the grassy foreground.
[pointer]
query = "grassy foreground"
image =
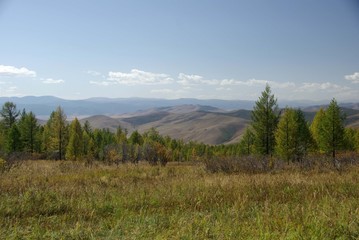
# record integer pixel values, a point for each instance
(65, 200)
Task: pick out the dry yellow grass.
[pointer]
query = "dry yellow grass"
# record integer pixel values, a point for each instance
(66, 200)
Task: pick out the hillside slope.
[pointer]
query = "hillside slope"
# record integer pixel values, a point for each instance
(188, 122)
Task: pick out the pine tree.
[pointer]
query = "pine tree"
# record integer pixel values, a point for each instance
(333, 129)
(264, 122)
(74, 150)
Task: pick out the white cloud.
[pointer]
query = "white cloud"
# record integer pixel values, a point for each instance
(327, 86)
(52, 81)
(102, 83)
(93, 73)
(354, 78)
(138, 77)
(190, 80)
(16, 72)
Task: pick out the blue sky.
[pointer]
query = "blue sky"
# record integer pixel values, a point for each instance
(305, 50)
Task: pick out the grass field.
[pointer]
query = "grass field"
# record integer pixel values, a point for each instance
(66, 200)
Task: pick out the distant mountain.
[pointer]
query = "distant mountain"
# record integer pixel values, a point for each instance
(43, 106)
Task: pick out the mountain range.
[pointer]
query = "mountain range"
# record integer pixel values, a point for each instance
(207, 121)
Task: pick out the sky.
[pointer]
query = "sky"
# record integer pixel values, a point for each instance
(205, 49)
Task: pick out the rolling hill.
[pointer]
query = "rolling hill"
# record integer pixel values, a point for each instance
(207, 121)
(188, 122)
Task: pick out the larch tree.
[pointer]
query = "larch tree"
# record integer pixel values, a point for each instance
(316, 128)
(333, 129)
(13, 143)
(9, 114)
(57, 130)
(247, 142)
(74, 149)
(265, 117)
(293, 138)
(29, 129)
(286, 135)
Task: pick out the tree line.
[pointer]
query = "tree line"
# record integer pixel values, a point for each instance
(286, 134)
(273, 132)
(21, 135)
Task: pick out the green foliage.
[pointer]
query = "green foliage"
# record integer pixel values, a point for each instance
(333, 129)
(30, 132)
(350, 139)
(75, 147)
(246, 144)
(316, 129)
(2, 165)
(56, 133)
(13, 143)
(293, 138)
(264, 122)
(9, 114)
(136, 138)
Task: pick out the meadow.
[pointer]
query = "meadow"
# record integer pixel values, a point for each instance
(67, 200)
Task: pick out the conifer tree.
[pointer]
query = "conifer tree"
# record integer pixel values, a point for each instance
(247, 142)
(333, 129)
(286, 134)
(316, 128)
(9, 114)
(13, 142)
(56, 128)
(264, 122)
(293, 138)
(29, 130)
(74, 150)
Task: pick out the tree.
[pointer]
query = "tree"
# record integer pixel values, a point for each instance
(264, 122)
(29, 130)
(349, 138)
(333, 129)
(13, 143)
(357, 141)
(247, 142)
(121, 135)
(74, 149)
(293, 137)
(9, 114)
(56, 128)
(136, 138)
(286, 134)
(316, 129)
